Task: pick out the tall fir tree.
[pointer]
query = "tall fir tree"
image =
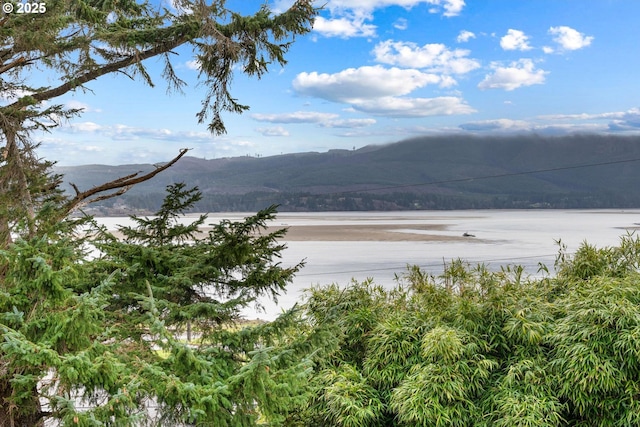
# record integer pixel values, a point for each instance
(102, 339)
(79, 41)
(94, 341)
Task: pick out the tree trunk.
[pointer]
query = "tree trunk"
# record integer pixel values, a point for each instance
(11, 416)
(14, 185)
(5, 237)
(15, 191)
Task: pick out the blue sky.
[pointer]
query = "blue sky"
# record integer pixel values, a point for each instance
(379, 71)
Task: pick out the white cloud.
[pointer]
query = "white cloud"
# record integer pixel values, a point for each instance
(520, 126)
(344, 27)
(120, 132)
(517, 74)
(280, 6)
(557, 124)
(498, 124)
(398, 132)
(436, 57)
(82, 127)
(122, 144)
(13, 95)
(451, 7)
(515, 40)
(77, 105)
(242, 143)
(295, 117)
(125, 132)
(585, 116)
(632, 114)
(624, 125)
(91, 148)
(465, 36)
(366, 82)
(194, 65)
(446, 7)
(401, 24)
(570, 39)
(379, 91)
(414, 107)
(563, 129)
(348, 123)
(351, 18)
(179, 7)
(273, 131)
(618, 121)
(327, 120)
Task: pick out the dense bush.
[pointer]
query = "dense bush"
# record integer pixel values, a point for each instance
(475, 347)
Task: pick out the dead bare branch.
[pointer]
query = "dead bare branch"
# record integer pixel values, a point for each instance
(75, 188)
(122, 185)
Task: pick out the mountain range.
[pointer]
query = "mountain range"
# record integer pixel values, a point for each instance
(445, 172)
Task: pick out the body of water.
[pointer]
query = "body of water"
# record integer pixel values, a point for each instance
(502, 237)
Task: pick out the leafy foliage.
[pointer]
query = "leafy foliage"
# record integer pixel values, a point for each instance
(474, 347)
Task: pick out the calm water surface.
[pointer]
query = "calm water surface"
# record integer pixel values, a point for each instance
(524, 237)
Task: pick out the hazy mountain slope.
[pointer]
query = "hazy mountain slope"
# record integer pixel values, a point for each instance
(502, 168)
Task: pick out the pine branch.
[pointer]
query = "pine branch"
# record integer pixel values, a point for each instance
(19, 61)
(98, 72)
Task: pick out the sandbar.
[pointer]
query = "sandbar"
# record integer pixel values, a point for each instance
(361, 233)
(370, 232)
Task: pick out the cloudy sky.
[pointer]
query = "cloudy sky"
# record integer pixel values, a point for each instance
(379, 71)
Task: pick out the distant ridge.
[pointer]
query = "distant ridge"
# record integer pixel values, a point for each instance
(447, 172)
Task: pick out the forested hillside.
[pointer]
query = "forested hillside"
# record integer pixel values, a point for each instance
(448, 172)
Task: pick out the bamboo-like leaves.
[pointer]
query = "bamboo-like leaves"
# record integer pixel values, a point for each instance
(483, 348)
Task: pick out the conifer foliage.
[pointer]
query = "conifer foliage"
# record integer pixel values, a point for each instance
(74, 42)
(92, 325)
(103, 340)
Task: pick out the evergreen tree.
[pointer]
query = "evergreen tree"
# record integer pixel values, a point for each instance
(83, 332)
(102, 340)
(78, 41)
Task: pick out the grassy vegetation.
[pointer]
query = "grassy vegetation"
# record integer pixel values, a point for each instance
(480, 348)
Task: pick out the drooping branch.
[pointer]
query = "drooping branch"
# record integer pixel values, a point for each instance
(219, 47)
(98, 72)
(120, 185)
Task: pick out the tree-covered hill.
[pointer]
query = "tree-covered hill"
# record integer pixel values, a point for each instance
(447, 172)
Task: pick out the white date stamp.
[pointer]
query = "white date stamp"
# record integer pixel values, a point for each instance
(26, 7)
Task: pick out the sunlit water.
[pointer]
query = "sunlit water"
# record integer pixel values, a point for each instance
(518, 237)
